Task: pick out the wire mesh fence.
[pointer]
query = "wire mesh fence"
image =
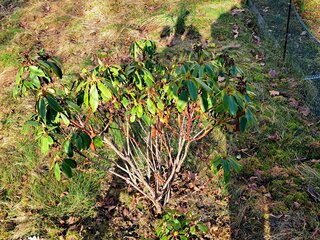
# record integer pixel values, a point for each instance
(303, 48)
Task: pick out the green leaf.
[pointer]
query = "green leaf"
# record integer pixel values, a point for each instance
(193, 91)
(57, 172)
(209, 70)
(36, 71)
(53, 103)
(18, 77)
(94, 98)
(249, 116)
(230, 105)
(77, 141)
(67, 148)
(66, 169)
(35, 81)
(65, 119)
(203, 85)
(182, 101)
(193, 230)
(183, 238)
(203, 228)
(235, 165)
(54, 67)
(33, 123)
(86, 96)
(73, 106)
(106, 93)
(243, 124)
(139, 111)
(72, 163)
(148, 78)
(132, 118)
(151, 106)
(42, 109)
(125, 102)
(44, 144)
(98, 142)
(86, 140)
(204, 102)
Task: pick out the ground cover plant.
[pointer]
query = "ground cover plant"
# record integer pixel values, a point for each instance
(274, 195)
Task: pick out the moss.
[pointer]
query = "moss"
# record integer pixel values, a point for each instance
(279, 208)
(125, 199)
(289, 200)
(301, 197)
(250, 165)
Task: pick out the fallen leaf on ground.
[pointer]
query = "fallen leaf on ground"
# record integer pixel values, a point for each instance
(237, 11)
(221, 79)
(293, 102)
(305, 111)
(274, 137)
(235, 30)
(272, 73)
(277, 171)
(274, 93)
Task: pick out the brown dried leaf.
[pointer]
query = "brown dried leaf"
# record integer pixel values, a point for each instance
(305, 111)
(221, 79)
(274, 137)
(277, 171)
(237, 11)
(272, 73)
(235, 31)
(274, 93)
(293, 102)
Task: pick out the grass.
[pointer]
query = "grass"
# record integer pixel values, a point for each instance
(309, 9)
(274, 181)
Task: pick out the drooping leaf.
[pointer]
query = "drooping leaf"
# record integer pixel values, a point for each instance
(98, 142)
(86, 140)
(106, 93)
(73, 106)
(203, 85)
(249, 116)
(140, 111)
(204, 102)
(72, 163)
(125, 102)
(242, 123)
(235, 165)
(36, 71)
(65, 119)
(209, 70)
(42, 109)
(94, 98)
(53, 103)
(193, 91)
(33, 123)
(182, 101)
(151, 106)
(193, 230)
(44, 144)
(54, 67)
(148, 78)
(230, 105)
(86, 96)
(66, 169)
(57, 172)
(67, 148)
(203, 228)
